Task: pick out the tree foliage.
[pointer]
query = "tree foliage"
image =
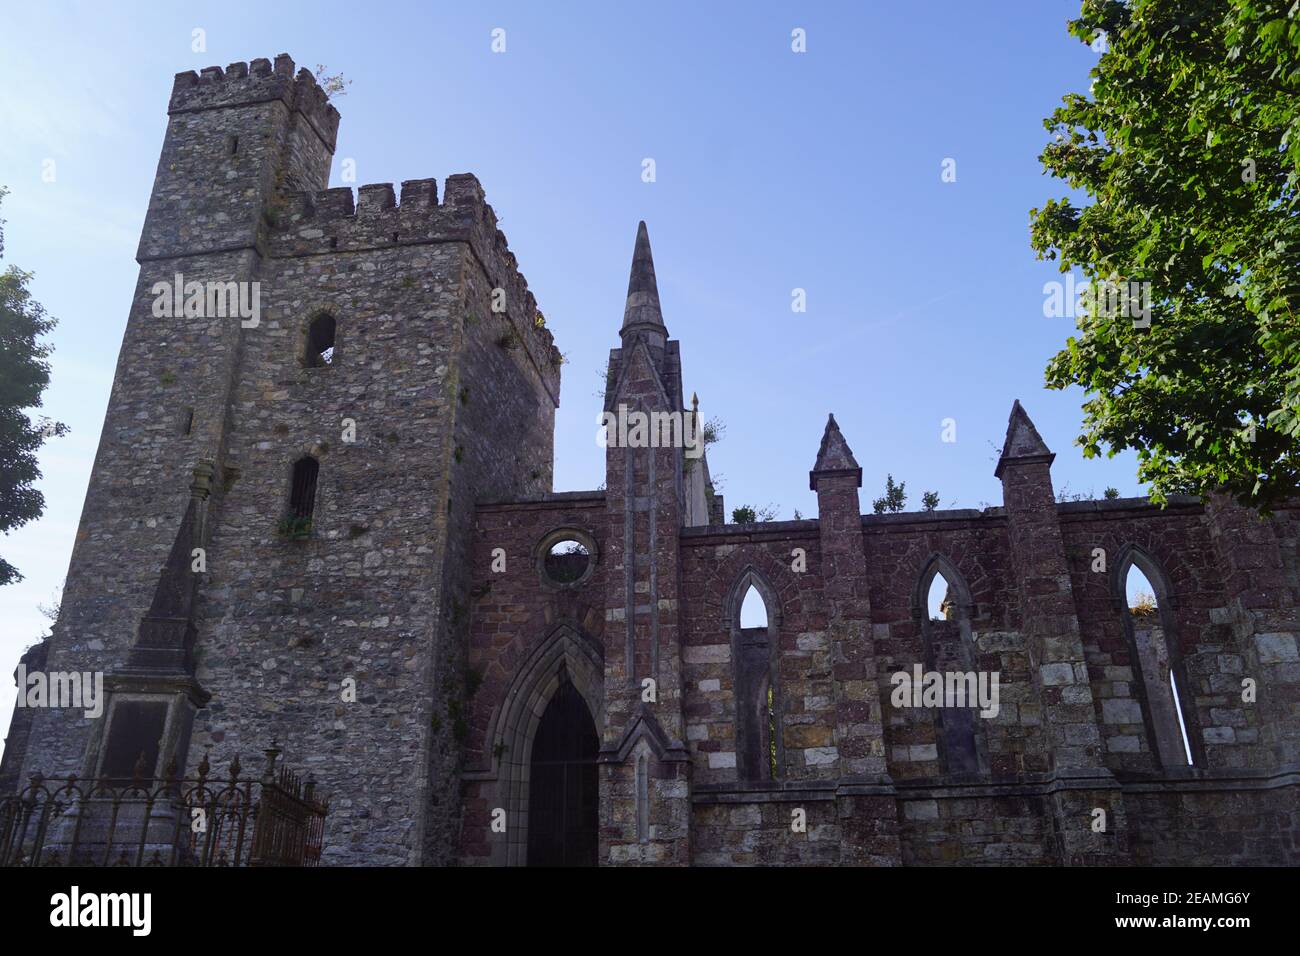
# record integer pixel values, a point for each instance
(1188, 149)
(24, 373)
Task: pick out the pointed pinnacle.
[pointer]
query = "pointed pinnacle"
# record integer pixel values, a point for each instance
(834, 454)
(1022, 441)
(642, 310)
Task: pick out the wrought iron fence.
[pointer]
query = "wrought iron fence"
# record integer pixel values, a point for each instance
(276, 820)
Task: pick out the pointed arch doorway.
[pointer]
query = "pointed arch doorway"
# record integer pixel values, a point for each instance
(566, 657)
(563, 789)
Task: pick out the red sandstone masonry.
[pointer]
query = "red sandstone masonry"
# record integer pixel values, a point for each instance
(1022, 812)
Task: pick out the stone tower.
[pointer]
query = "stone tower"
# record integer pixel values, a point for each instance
(273, 542)
(644, 761)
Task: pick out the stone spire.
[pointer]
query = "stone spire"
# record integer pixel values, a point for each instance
(642, 313)
(834, 456)
(1023, 441)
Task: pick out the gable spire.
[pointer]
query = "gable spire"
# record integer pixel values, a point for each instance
(642, 312)
(1023, 443)
(834, 456)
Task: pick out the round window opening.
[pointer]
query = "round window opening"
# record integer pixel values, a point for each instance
(566, 561)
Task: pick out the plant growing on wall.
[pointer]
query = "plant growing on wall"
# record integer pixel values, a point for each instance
(893, 500)
(293, 526)
(332, 84)
(748, 514)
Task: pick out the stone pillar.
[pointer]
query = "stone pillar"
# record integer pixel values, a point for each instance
(866, 808)
(1080, 783)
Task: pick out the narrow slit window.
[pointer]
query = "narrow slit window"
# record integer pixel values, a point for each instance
(771, 735)
(302, 494)
(754, 639)
(642, 799)
(320, 342)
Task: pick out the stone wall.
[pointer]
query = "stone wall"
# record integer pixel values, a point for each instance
(515, 615)
(1177, 542)
(345, 644)
(1009, 813)
(713, 564)
(1245, 818)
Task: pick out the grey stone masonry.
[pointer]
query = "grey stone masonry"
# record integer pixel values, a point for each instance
(441, 389)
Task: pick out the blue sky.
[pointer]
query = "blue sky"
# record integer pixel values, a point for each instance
(775, 171)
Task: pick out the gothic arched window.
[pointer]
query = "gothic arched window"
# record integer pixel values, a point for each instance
(1157, 665)
(944, 605)
(753, 614)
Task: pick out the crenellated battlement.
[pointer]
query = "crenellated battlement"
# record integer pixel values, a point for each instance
(258, 81)
(337, 221)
